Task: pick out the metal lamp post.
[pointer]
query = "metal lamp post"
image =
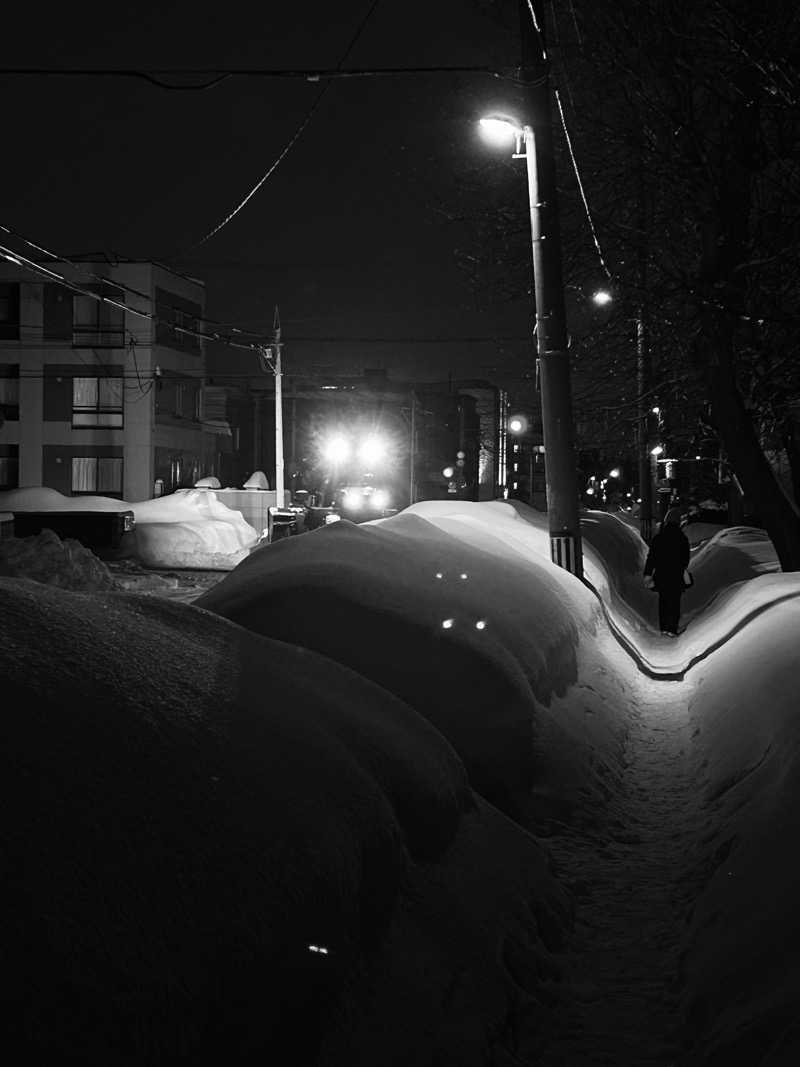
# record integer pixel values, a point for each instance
(551, 344)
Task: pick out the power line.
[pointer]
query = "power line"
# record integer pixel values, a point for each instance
(44, 272)
(336, 339)
(216, 76)
(290, 143)
(580, 187)
(79, 265)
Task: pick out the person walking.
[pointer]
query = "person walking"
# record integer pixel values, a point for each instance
(667, 561)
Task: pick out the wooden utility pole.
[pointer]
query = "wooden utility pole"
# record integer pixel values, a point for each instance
(551, 330)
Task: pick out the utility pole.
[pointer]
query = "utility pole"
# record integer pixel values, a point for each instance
(270, 357)
(279, 491)
(551, 330)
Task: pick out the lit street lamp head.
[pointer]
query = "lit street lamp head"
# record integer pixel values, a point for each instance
(500, 130)
(602, 297)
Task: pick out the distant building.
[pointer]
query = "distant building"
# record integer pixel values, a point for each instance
(97, 398)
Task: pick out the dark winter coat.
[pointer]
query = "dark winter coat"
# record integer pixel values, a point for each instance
(668, 558)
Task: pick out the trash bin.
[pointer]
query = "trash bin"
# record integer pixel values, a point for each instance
(281, 522)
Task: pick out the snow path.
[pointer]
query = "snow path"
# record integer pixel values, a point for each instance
(629, 879)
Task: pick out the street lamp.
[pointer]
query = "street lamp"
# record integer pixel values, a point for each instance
(551, 343)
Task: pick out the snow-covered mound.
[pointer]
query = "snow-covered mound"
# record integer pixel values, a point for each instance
(190, 529)
(41, 498)
(46, 558)
(223, 849)
(478, 640)
(665, 807)
(741, 960)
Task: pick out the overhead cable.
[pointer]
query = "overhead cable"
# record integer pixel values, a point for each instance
(50, 275)
(289, 144)
(215, 77)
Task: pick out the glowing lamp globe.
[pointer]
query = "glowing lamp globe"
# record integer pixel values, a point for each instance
(499, 131)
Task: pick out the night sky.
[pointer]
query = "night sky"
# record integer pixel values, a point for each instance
(354, 236)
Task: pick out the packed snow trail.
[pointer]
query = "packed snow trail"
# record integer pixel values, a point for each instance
(629, 882)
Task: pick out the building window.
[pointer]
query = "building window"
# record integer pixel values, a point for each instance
(9, 311)
(96, 402)
(180, 400)
(57, 314)
(96, 323)
(178, 397)
(9, 466)
(174, 314)
(97, 474)
(9, 392)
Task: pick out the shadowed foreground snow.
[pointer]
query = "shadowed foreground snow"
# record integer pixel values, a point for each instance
(416, 745)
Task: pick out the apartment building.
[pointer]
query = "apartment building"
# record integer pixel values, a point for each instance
(103, 396)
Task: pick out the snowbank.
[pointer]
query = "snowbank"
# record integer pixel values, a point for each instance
(43, 499)
(328, 774)
(46, 558)
(741, 958)
(223, 849)
(475, 634)
(190, 529)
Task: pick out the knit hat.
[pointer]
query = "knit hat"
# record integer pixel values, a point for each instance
(673, 515)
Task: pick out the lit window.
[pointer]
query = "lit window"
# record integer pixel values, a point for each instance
(97, 474)
(97, 402)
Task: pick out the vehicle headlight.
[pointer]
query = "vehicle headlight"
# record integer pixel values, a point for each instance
(353, 501)
(380, 499)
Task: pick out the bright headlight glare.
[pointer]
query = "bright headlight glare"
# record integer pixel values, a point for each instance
(336, 449)
(372, 449)
(380, 499)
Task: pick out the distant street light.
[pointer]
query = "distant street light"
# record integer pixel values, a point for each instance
(657, 450)
(602, 297)
(551, 337)
(614, 473)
